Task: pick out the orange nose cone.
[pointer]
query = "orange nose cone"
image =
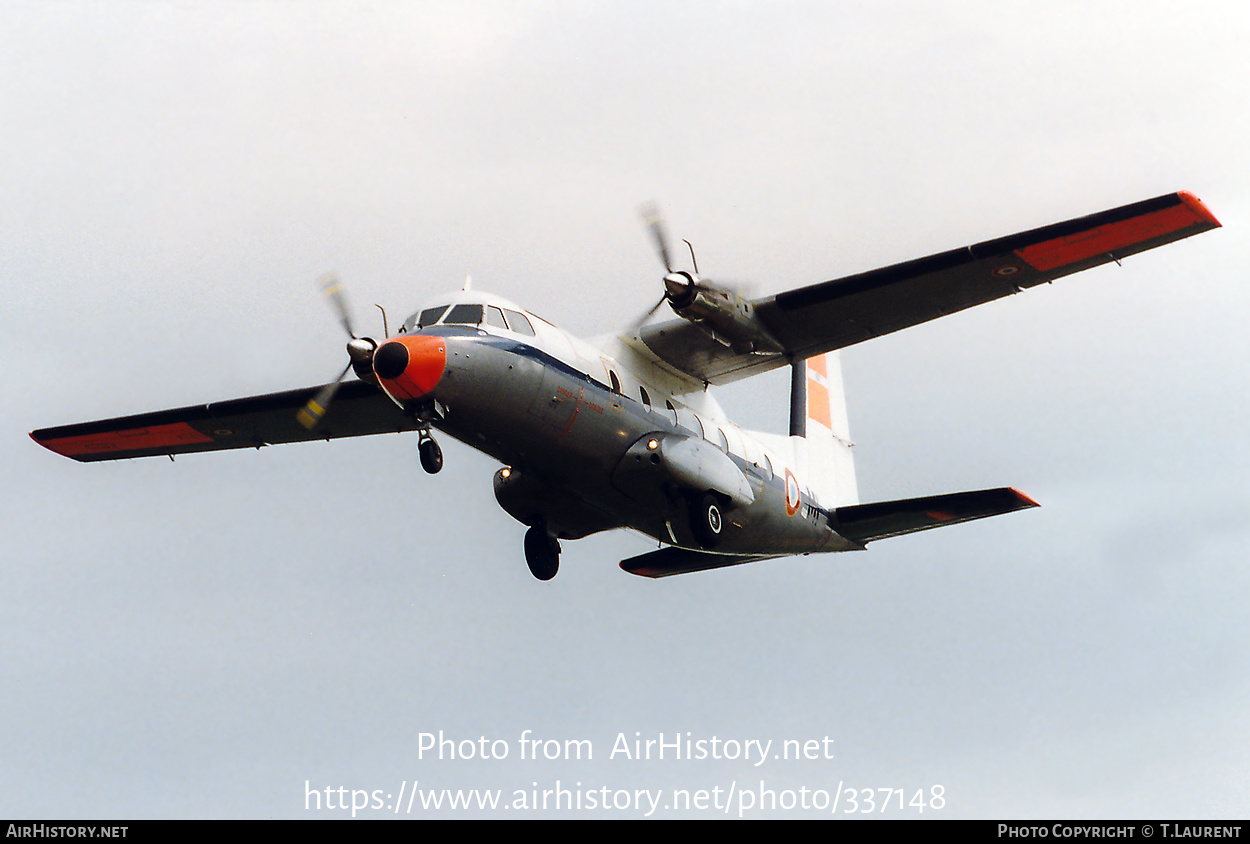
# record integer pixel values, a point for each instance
(410, 367)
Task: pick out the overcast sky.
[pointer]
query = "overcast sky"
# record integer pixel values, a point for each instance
(201, 638)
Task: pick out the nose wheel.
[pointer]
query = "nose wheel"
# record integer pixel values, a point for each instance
(542, 553)
(431, 454)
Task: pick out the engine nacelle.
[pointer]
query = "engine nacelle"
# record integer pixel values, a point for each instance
(727, 317)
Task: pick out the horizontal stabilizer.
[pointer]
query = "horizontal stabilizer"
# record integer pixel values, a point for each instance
(868, 522)
(669, 561)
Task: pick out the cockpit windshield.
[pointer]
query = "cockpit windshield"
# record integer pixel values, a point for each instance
(464, 315)
(423, 319)
(470, 314)
(430, 316)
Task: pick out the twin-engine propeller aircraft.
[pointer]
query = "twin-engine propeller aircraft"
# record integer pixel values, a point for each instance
(622, 432)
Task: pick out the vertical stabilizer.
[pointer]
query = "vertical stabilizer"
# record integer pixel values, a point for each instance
(798, 398)
(823, 449)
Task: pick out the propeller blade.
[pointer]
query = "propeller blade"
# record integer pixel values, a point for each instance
(333, 290)
(637, 324)
(310, 415)
(651, 214)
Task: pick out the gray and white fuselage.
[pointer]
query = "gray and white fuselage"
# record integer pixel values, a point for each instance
(596, 436)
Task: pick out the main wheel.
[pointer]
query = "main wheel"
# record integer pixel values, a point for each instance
(707, 521)
(431, 455)
(542, 553)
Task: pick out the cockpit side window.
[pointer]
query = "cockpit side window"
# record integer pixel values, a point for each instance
(494, 318)
(464, 315)
(519, 323)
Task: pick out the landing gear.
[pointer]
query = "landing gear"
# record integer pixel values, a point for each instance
(706, 520)
(431, 454)
(542, 553)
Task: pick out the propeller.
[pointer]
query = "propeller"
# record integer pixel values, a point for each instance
(359, 352)
(680, 287)
(311, 413)
(655, 222)
(723, 311)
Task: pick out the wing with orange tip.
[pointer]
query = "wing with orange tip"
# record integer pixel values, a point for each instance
(359, 409)
(834, 314)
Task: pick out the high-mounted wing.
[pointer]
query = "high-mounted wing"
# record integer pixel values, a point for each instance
(359, 408)
(834, 314)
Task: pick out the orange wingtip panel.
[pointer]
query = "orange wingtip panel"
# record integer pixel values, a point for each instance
(1102, 240)
(1028, 502)
(1195, 205)
(135, 439)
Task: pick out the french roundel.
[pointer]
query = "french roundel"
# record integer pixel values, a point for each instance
(792, 493)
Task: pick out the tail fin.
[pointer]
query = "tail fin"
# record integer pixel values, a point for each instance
(821, 436)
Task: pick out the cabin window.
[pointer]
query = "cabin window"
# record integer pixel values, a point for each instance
(646, 399)
(494, 318)
(672, 411)
(695, 423)
(464, 315)
(616, 382)
(721, 440)
(519, 323)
